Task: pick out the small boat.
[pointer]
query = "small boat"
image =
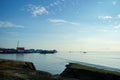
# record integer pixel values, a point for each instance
(84, 52)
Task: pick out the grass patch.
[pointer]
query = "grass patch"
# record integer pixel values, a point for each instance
(93, 69)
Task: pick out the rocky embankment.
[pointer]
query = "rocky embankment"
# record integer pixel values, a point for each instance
(19, 70)
(82, 72)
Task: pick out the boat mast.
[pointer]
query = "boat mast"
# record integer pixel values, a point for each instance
(17, 44)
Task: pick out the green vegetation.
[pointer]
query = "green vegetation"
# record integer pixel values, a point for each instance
(93, 69)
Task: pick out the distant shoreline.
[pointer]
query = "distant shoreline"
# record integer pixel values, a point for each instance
(16, 53)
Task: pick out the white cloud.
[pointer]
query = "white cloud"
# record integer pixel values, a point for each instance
(57, 21)
(37, 10)
(107, 30)
(117, 27)
(9, 25)
(118, 15)
(62, 21)
(105, 17)
(54, 3)
(74, 23)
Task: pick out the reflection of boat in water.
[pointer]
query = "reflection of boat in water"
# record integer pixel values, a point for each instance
(19, 56)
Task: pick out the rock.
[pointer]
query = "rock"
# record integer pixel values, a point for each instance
(24, 74)
(20, 70)
(17, 64)
(81, 72)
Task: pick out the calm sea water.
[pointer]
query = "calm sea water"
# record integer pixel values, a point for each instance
(55, 63)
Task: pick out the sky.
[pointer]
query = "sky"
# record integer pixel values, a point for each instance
(64, 25)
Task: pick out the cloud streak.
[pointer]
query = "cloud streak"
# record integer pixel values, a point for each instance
(37, 10)
(57, 21)
(107, 30)
(109, 17)
(6, 24)
(105, 17)
(54, 4)
(62, 21)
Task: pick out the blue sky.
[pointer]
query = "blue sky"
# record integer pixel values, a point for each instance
(65, 25)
